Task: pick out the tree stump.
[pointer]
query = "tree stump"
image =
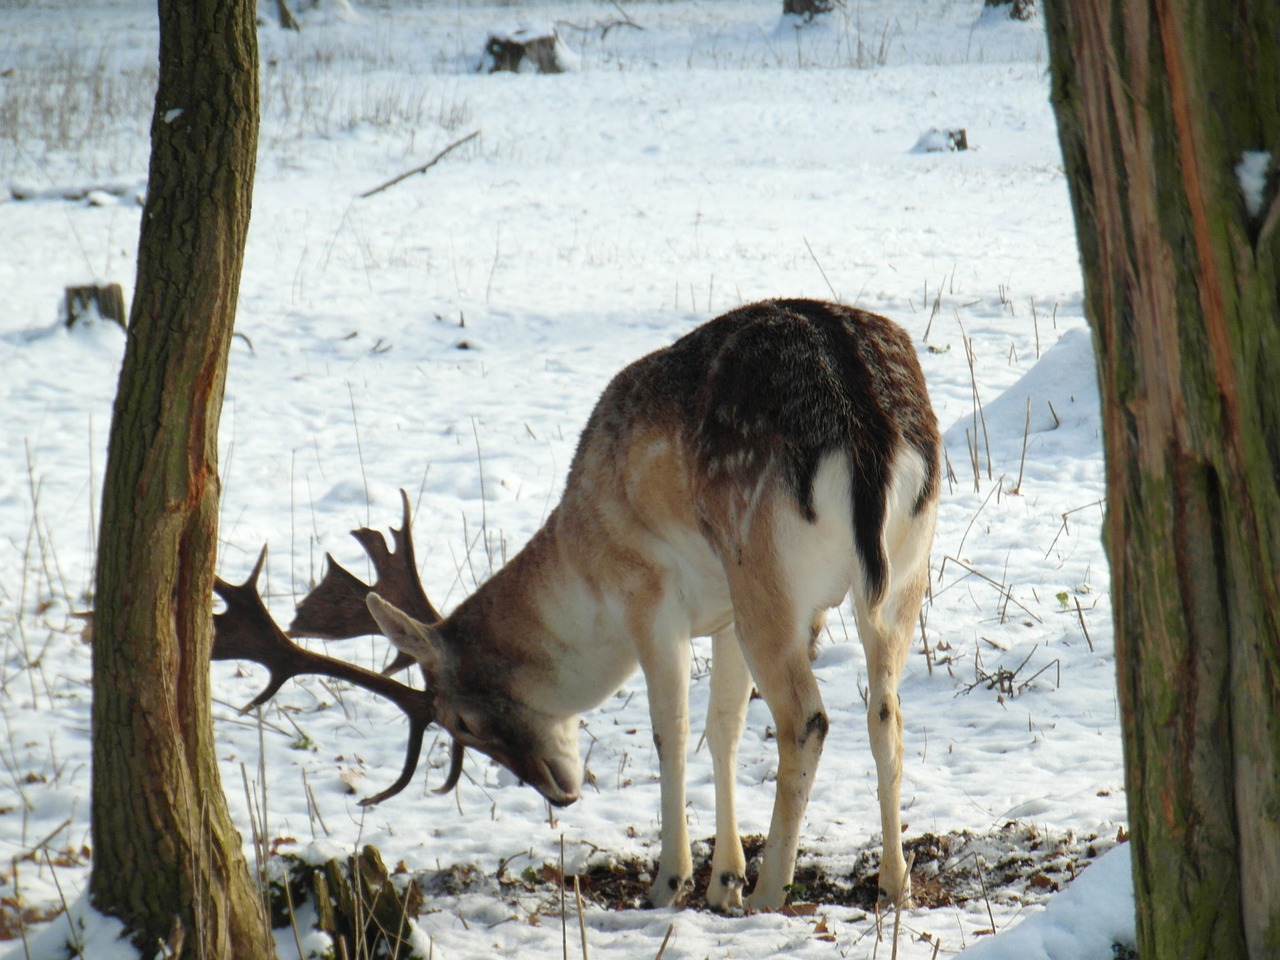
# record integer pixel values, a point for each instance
(1018, 9)
(85, 304)
(935, 140)
(507, 51)
(357, 904)
(807, 8)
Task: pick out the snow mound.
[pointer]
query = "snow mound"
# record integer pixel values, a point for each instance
(1065, 417)
(938, 140)
(1081, 923)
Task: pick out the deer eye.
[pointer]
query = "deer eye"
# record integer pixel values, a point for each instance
(469, 727)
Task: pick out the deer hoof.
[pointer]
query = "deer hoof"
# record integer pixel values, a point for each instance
(887, 900)
(766, 901)
(669, 891)
(724, 893)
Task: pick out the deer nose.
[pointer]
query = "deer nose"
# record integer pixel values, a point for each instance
(559, 788)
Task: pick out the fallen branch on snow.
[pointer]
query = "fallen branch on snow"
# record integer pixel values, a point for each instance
(424, 168)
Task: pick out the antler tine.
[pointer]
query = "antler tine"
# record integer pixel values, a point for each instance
(456, 752)
(246, 631)
(336, 609)
(417, 730)
(418, 606)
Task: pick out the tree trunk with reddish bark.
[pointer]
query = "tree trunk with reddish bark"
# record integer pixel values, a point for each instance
(1166, 109)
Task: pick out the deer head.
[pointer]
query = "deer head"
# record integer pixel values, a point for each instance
(538, 747)
(336, 609)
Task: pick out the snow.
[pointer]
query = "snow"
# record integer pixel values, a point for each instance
(450, 335)
(1083, 921)
(93, 934)
(934, 140)
(1251, 173)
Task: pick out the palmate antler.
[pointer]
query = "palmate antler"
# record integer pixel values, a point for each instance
(336, 609)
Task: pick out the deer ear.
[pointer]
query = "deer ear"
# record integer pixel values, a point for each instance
(407, 634)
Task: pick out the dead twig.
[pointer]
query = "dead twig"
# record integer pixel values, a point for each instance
(924, 636)
(1052, 663)
(1004, 679)
(983, 880)
(604, 26)
(1064, 529)
(897, 906)
(1005, 591)
(671, 928)
(582, 921)
(1022, 463)
(424, 168)
(1080, 614)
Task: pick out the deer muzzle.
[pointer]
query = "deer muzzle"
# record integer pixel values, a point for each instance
(555, 782)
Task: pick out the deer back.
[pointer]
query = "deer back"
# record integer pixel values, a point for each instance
(762, 395)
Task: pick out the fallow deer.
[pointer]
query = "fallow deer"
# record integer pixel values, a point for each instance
(735, 484)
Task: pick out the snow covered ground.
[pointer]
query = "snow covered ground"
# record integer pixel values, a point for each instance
(450, 334)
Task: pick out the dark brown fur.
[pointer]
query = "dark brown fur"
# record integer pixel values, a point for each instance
(777, 385)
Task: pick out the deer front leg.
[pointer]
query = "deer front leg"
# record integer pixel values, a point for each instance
(667, 674)
(726, 714)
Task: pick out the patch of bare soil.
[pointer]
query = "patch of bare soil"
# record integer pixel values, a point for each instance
(1016, 863)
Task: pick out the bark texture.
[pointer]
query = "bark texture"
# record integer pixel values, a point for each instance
(167, 858)
(1157, 102)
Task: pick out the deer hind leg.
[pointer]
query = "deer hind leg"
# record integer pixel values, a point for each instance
(666, 672)
(779, 655)
(726, 714)
(774, 615)
(886, 633)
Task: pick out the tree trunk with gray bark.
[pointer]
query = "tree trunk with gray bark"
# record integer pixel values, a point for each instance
(167, 859)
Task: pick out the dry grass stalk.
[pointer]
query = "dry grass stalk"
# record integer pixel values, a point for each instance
(834, 296)
(671, 928)
(934, 310)
(564, 923)
(979, 415)
(1003, 588)
(1022, 462)
(1080, 614)
(897, 908)
(582, 922)
(986, 899)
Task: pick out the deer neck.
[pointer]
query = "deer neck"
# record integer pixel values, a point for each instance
(553, 619)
